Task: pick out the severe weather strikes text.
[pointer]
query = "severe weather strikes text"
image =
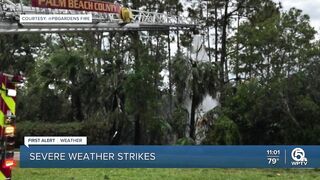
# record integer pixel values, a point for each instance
(82, 5)
(93, 156)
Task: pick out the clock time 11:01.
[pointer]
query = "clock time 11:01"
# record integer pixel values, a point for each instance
(273, 152)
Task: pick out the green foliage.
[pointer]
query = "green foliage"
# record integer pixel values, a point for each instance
(273, 44)
(36, 128)
(96, 131)
(224, 132)
(142, 97)
(257, 112)
(179, 124)
(180, 74)
(17, 50)
(185, 141)
(282, 112)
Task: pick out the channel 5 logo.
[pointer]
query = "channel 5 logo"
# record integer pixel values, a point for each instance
(299, 157)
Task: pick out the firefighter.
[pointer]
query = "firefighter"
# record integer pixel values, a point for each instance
(125, 13)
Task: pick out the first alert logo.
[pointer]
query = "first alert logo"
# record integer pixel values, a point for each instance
(83, 5)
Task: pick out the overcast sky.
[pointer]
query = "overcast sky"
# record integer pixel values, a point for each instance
(310, 7)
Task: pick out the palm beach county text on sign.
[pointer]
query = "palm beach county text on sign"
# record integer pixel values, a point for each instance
(82, 5)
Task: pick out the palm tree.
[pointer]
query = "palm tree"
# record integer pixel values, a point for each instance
(63, 71)
(193, 80)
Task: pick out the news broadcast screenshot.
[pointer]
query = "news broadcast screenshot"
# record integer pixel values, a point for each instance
(159, 89)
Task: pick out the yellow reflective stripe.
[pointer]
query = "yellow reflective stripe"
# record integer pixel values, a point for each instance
(9, 101)
(2, 176)
(1, 118)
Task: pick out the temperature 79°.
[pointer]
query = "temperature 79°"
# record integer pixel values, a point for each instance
(273, 160)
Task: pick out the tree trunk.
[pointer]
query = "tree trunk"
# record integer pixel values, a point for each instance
(170, 76)
(99, 59)
(192, 118)
(193, 111)
(137, 121)
(224, 44)
(216, 33)
(237, 52)
(208, 35)
(76, 105)
(137, 129)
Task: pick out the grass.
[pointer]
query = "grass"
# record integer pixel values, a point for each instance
(137, 174)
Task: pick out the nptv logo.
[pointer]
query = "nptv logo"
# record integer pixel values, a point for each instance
(299, 157)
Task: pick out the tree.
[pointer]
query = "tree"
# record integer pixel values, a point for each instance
(142, 89)
(265, 106)
(17, 52)
(193, 79)
(64, 71)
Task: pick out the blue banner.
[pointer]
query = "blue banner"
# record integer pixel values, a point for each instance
(170, 157)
